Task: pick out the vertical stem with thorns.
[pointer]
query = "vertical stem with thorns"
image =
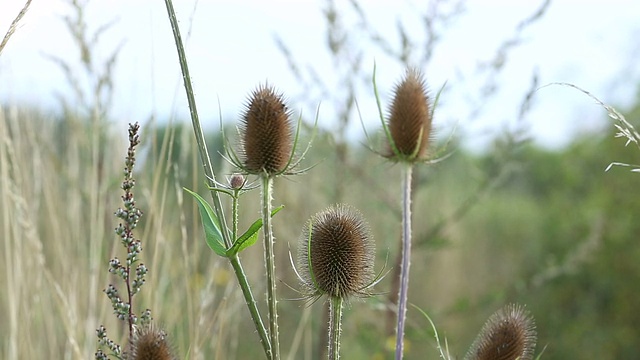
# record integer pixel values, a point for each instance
(406, 258)
(267, 185)
(251, 304)
(335, 326)
(244, 284)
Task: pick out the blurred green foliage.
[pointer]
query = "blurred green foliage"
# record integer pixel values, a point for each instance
(556, 233)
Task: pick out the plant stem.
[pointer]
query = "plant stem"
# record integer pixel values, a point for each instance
(195, 121)
(244, 284)
(267, 185)
(406, 258)
(210, 175)
(251, 304)
(335, 327)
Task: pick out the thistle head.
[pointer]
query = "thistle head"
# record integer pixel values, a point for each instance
(336, 254)
(509, 334)
(409, 119)
(150, 343)
(266, 133)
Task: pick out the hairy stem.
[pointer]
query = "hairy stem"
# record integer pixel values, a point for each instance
(267, 185)
(335, 327)
(406, 258)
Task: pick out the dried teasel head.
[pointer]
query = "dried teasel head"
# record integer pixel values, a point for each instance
(409, 119)
(509, 334)
(266, 131)
(149, 342)
(336, 254)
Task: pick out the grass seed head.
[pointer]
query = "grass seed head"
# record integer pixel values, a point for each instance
(410, 118)
(509, 334)
(337, 253)
(266, 132)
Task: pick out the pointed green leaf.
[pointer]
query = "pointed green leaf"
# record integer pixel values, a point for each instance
(250, 236)
(211, 224)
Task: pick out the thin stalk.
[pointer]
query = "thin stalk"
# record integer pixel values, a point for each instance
(251, 304)
(210, 176)
(406, 258)
(195, 121)
(244, 284)
(267, 185)
(335, 327)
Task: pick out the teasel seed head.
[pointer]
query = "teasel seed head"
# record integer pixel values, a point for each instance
(409, 119)
(336, 254)
(266, 131)
(509, 334)
(150, 343)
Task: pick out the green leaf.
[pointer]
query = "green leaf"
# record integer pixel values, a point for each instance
(250, 236)
(211, 224)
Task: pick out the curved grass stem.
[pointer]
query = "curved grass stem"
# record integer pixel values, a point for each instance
(195, 120)
(406, 258)
(211, 179)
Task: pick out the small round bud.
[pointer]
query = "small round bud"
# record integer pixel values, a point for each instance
(237, 181)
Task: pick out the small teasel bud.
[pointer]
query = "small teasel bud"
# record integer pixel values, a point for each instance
(336, 253)
(237, 181)
(150, 343)
(266, 131)
(410, 118)
(509, 334)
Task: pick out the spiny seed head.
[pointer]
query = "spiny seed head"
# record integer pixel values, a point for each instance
(509, 334)
(150, 343)
(410, 118)
(266, 133)
(336, 253)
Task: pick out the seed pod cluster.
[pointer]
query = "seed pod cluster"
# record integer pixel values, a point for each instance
(336, 253)
(266, 133)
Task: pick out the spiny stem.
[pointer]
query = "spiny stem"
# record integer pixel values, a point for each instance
(267, 185)
(406, 258)
(244, 285)
(251, 304)
(335, 327)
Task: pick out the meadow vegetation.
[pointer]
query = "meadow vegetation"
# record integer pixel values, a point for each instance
(517, 223)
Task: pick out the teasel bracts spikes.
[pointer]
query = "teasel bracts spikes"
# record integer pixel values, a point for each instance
(409, 119)
(150, 343)
(509, 334)
(266, 131)
(336, 254)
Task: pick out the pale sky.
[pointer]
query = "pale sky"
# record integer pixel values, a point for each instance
(231, 50)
